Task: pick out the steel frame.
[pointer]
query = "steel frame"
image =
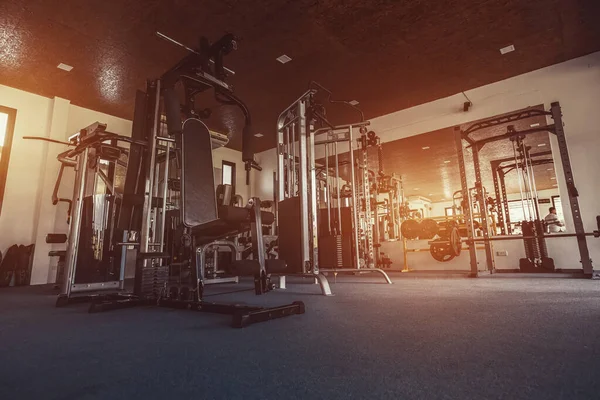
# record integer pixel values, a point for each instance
(296, 177)
(476, 145)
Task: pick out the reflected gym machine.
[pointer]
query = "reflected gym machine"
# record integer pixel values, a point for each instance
(533, 235)
(168, 209)
(343, 249)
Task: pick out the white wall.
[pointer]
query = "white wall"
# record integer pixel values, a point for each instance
(575, 83)
(27, 213)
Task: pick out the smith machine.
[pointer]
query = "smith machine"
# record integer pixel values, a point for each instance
(533, 232)
(333, 238)
(167, 209)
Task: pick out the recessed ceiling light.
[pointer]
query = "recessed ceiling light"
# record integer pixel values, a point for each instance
(553, 178)
(430, 194)
(507, 49)
(283, 59)
(534, 125)
(64, 67)
(555, 185)
(447, 162)
(549, 169)
(353, 103)
(425, 147)
(541, 144)
(258, 135)
(416, 189)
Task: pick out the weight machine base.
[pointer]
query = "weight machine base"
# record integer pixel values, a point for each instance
(64, 300)
(360, 271)
(242, 316)
(319, 278)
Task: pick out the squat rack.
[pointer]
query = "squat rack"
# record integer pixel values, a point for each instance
(557, 129)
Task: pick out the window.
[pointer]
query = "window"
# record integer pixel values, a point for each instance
(7, 126)
(557, 203)
(228, 174)
(518, 214)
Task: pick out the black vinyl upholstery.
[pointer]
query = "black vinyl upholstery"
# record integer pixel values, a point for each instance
(200, 211)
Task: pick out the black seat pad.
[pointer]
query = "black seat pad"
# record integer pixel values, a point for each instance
(232, 220)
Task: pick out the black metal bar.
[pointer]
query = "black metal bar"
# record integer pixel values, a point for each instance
(483, 211)
(559, 131)
(499, 200)
(505, 207)
(467, 210)
(511, 134)
(505, 119)
(540, 154)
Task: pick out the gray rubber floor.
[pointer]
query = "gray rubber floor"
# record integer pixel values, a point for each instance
(424, 338)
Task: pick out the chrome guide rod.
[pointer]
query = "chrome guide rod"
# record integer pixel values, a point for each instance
(327, 196)
(74, 231)
(164, 197)
(337, 185)
(149, 189)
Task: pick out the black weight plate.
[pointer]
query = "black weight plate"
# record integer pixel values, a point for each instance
(410, 229)
(455, 242)
(441, 252)
(429, 228)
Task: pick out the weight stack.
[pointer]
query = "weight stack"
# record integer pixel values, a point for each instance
(150, 281)
(539, 228)
(335, 252)
(290, 236)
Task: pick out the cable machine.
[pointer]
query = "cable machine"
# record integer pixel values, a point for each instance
(346, 236)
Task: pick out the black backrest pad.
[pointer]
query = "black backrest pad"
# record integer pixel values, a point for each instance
(198, 200)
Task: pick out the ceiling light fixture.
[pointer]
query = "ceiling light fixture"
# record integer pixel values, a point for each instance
(283, 59)
(447, 162)
(64, 67)
(353, 103)
(553, 178)
(534, 125)
(555, 185)
(549, 169)
(425, 148)
(258, 135)
(507, 49)
(541, 144)
(416, 189)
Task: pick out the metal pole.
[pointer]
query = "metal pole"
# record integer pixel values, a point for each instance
(75, 228)
(149, 189)
(303, 186)
(328, 197)
(289, 162)
(164, 197)
(483, 210)
(293, 160)
(355, 221)
(337, 185)
(468, 210)
(314, 206)
(586, 261)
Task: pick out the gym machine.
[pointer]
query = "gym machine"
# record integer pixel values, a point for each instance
(345, 243)
(533, 235)
(500, 169)
(168, 208)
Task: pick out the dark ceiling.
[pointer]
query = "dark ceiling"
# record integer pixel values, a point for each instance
(387, 54)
